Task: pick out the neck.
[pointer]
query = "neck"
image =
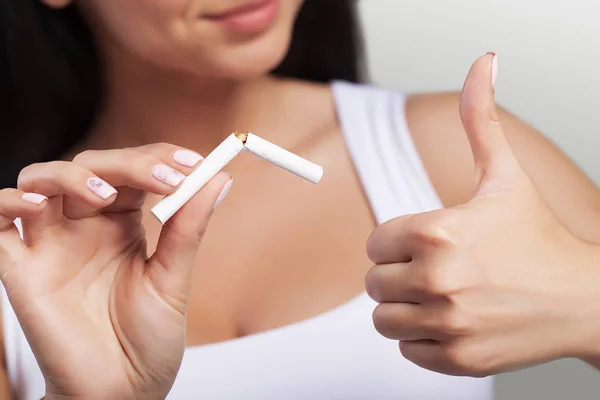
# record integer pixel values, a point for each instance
(145, 104)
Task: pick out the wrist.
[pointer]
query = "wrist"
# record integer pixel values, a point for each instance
(591, 349)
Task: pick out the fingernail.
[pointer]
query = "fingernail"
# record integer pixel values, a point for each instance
(187, 158)
(494, 70)
(223, 193)
(167, 175)
(100, 188)
(34, 198)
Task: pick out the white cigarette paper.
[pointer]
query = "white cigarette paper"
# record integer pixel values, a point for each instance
(211, 165)
(283, 158)
(221, 156)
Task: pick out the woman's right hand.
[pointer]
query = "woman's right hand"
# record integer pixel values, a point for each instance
(103, 320)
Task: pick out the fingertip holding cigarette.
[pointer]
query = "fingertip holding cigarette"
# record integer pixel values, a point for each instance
(221, 156)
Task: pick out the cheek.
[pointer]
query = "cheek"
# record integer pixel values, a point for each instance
(138, 26)
(168, 33)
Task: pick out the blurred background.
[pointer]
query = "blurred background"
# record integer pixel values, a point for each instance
(549, 76)
(548, 52)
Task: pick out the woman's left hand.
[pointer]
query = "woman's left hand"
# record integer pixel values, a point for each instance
(493, 285)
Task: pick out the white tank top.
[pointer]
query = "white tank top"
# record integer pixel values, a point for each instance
(337, 355)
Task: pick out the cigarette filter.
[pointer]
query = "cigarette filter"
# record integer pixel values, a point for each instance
(210, 166)
(283, 158)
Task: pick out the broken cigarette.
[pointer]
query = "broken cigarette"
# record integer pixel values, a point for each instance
(211, 165)
(283, 158)
(221, 156)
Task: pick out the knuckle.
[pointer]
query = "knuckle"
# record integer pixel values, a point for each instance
(438, 232)
(141, 164)
(34, 172)
(447, 279)
(163, 146)
(472, 116)
(139, 160)
(457, 357)
(407, 352)
(469, 114)
(464, 360)
(455, 323)
(84, 156)
(433, 235)
(144, 160)
(381, 320)
(385, 235)
(56, 172)
(61, 171)
(372, 251)
(376, 242)
(372, 284)
(26, 174)
(434, 282)
(159, 148)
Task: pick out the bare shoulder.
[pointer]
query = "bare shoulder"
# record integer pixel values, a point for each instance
(437, 131)
(434, 123)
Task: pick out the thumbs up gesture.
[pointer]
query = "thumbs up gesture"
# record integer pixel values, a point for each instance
(491, 285)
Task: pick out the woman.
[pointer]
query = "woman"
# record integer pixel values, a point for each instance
(277, 306)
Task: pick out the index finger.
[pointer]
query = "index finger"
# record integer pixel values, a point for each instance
(426, 236)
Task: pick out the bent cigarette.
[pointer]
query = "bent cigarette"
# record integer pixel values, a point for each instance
(221, 156)
(283, 158)
(211, 165)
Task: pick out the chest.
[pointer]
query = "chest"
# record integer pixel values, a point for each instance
(335, 356)
(279, 249)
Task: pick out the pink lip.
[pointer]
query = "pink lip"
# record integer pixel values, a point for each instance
(248, 18)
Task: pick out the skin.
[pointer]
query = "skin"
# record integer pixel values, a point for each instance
(193, 99)
(479, 288)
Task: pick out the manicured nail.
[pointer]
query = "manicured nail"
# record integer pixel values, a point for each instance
(34, 198)
(494, 70)
(187, 158)
(223, 193)
(167, 175)
(100, 188)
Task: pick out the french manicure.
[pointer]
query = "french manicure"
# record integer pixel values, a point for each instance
(167, 175)
(100, 188)
(494, 70)
(187, 158)
(223, 193)
(34, 198)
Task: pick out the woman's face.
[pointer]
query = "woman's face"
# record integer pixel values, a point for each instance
(232, 39)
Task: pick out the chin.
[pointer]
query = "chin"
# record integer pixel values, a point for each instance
(249, 64)
(244, 61)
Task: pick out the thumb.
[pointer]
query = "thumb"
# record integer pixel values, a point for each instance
(495, 163)
(170, 268)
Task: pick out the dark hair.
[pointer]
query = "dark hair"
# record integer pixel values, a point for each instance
(51, 82)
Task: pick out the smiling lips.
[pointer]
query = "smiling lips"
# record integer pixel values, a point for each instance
(248, 18)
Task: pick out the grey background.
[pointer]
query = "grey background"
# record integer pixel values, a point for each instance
(548, 52)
